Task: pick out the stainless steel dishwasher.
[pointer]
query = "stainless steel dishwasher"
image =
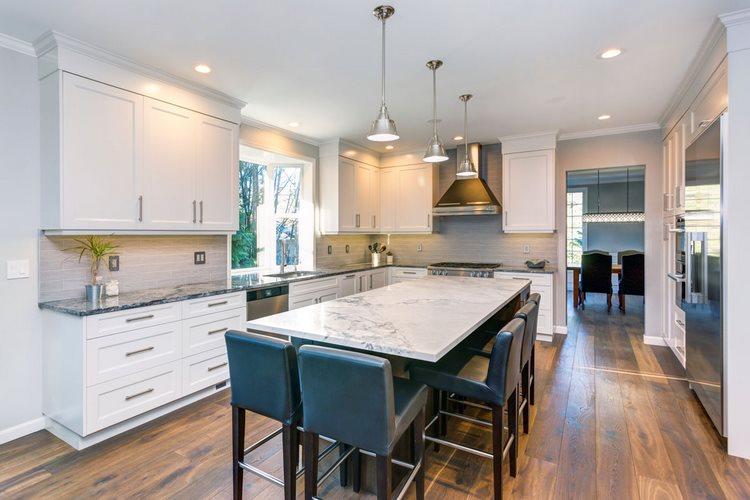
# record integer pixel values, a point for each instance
(266, 302)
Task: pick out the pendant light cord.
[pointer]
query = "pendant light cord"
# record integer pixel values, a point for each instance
(383, 66)
(466, 131)
(434, 103)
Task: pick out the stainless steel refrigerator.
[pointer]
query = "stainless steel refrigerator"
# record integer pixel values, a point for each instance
(702, 292)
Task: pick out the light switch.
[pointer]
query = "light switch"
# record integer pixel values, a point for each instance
(17, 269)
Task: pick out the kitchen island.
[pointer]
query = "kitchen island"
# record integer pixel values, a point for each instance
(422, 319)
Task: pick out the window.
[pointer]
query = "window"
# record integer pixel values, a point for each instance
(275, 204)
(575, 227)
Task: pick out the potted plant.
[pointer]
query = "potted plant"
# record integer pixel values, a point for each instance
(375, 250)
(389, 257)
(97, 248)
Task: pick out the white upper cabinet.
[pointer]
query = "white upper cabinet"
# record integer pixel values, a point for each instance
(95, 183)
(349, 189)
(529, 191)
(406, 198)
(114, 159)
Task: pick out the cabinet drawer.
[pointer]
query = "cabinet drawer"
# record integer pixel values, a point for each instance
(204, 370)
(207, 332)
(215, 303)
(313, 286)
(114, 356)
(126, 397)
(100, 325)
(408, 272)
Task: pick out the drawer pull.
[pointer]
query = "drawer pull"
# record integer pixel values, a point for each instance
(139, 351)
(139, 318)
(409, 272)
(704, 123)
(142, 393)
(219, 330)
(221, 365)
(214, 304)
(349, 276)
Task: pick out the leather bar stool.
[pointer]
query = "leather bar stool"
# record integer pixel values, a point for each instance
(354, 398)
(265, 380)
(497, 386)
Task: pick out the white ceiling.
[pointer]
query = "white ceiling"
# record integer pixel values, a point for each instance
(532, 66)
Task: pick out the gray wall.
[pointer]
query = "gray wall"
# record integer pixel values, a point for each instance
(614, 237)
(20, 326)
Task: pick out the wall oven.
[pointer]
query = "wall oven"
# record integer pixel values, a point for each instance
(678, 274)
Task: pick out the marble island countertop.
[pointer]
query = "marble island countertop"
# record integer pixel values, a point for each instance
(237, 283)
(420, 319)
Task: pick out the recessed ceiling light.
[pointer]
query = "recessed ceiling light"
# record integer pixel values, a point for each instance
(294, 124)
(389, 146)
(458, 138)
(610, 53)
(604, 117)
(202, 68)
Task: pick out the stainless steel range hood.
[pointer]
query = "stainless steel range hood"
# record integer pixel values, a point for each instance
(470, 196)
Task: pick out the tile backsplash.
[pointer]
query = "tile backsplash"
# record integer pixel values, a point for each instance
(357, 249)
(145, 262)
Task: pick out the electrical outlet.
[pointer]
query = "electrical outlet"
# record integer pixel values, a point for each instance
(114, 263)
(330, 249)
(526, 248)
(199, 258)
(347, 248)
(419, 247)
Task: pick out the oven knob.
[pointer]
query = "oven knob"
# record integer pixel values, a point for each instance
(486, 274)
(434, 272)
(473, 274)
(445, 273)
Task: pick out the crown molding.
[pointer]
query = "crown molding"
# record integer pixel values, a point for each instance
(17, 45)
(355, 145)
(51, 40)
(712, 39)
(533, 135)
(627, 129)
(252, 122)
(735, 18)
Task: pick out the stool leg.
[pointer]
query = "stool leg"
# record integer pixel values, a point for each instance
(443, 418)
(513, 431)
(497, 450)
(531, 375)
(385, 477)
(436, 426)
(238, 449)
(311, 465)
(418, 446)
(525, 389)
(343, 468)
(289, 452)
(357, 466)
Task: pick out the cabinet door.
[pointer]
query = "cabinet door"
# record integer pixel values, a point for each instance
(348, 218)
(529, 191)
(302, 300)
(377, 279)
(374, 206)
(347, 285)
(101, 155)
(326, 296)
(217, 174)
(388, 199)
(362, 198)
(678, 167)
(170, 141)
(414, 198)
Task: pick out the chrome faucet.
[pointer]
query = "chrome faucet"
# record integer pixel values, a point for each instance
(282, 267)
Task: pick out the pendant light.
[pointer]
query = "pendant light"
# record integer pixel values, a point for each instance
(466, 168)
(383, 129)
(435, 151)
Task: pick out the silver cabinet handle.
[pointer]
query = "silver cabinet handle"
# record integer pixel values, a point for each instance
(371, 282)
(142, 393)
(194, 212)
(373, 221)
(201, 206)
(139, 351)
(349, 276)
(409, 272)
(679, 278)
(140, 208)
(356, 224)
(428, 220)
(220, 365)
(218, 330)
(680, 322)
(704, 123)
(214, 304)
(139, 318)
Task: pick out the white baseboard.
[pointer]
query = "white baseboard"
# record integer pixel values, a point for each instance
(563, 330)
(544, 337)
(21, 430)
(654, 340)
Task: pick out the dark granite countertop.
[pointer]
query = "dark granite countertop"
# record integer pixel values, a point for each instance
(237, 283)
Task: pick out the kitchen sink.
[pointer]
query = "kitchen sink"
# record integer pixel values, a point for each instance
(293, 274)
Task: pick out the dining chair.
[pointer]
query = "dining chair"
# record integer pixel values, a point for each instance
(353, 397)
(596, 276)
(623, 253)
(632, 279)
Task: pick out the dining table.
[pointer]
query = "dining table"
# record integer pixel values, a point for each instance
(616, 269)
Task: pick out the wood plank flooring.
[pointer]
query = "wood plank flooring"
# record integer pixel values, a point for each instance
(614, 419)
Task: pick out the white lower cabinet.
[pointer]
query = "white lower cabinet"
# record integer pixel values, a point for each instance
(401, 274)
(543, 284)
(309, 292)
(114, 368)
(348, 284)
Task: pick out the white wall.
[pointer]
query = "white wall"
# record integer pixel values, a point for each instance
(20, 325)
(640, 148)
(737, 241)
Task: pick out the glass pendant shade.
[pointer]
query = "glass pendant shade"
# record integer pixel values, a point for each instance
(383, 129)
(435, 151)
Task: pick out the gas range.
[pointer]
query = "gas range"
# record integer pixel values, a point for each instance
(468, 269)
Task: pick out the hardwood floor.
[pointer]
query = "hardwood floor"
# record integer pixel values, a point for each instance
(614, 419)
